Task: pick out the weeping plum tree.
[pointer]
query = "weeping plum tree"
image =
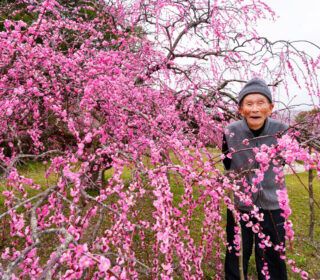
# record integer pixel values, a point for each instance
(142, 87)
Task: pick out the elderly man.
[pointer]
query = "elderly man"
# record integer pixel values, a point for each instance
(255, 106)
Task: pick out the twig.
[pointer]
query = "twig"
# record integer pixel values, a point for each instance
(97, 227)
(63, 247)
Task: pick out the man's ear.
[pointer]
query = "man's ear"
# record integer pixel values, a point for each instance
(240, 110)
(271, 106)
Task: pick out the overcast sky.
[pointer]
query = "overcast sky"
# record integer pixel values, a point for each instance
(297, 20)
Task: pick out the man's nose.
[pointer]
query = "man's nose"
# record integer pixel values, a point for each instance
(255, 107)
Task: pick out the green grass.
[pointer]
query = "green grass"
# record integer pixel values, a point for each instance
(35, 171)
(306, 252)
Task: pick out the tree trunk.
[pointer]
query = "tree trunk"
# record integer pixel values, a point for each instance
(241, 271)
(311, 200)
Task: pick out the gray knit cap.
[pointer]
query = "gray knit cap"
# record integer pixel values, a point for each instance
(255, 86)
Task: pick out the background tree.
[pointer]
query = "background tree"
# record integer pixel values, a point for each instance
(308, 134)
(143, 86)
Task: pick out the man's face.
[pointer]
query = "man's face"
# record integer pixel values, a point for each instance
(255, 107)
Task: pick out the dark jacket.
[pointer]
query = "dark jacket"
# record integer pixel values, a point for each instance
(266, 197)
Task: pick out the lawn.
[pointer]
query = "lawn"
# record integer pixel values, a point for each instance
(304, 250)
